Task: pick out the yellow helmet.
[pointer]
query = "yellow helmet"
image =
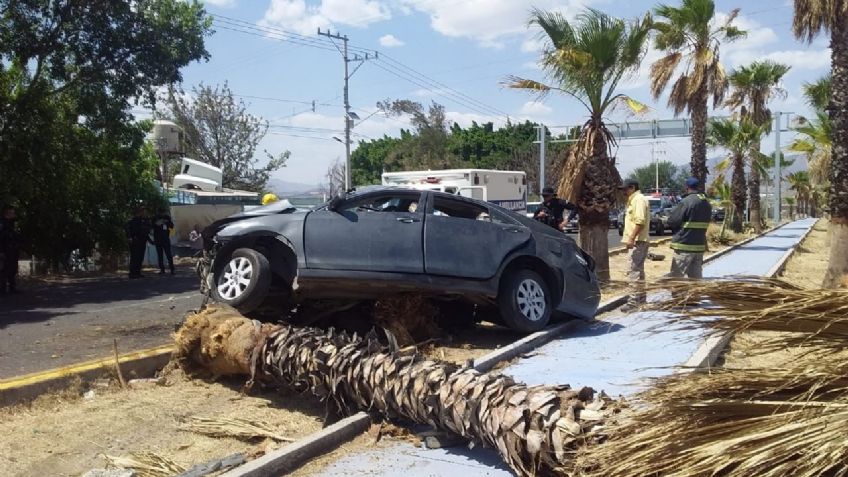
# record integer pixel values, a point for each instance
(269, 198)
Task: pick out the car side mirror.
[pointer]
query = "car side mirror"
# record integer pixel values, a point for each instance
(334, 204)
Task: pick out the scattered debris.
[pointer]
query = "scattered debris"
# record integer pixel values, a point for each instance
(89, 395)
(110, 473)
(235, 427)
(147, 464)
(214, 466)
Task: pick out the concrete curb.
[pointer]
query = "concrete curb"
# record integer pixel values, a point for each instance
(297, 453)
(537, 339)
(713, 346)
(141, 364)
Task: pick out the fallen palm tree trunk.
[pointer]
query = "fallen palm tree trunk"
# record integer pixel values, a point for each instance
(785, 414)
(534, 429)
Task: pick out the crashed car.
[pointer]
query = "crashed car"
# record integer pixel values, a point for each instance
(382, 241)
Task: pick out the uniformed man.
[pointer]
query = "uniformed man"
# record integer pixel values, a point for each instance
(138, 235)
(690, 218)
(552, 210)
(10, 243)
(162, 226)
(635, 236)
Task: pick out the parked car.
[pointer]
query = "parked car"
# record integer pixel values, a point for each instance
(571, 226)
(381, 241)
(718, 215)
(660, 208)
(614, 218)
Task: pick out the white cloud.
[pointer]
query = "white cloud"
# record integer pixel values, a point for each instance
(489, 22)
(390, 41)
(221, 3)
(813, 59)
(532, 45)
(306, 19)
(535, 108)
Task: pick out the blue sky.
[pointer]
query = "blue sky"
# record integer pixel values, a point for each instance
(459, 51)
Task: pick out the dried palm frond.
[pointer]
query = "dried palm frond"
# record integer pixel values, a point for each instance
(536, 430)
(146, 464)
(234, 427)
(786, 416)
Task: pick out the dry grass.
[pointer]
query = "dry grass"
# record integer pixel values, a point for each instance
(808, 265)
(65, 435)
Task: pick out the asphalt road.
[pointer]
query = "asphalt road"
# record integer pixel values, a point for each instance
(62, 323)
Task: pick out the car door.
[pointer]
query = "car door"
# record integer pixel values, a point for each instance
(376, 232)
(464, 238)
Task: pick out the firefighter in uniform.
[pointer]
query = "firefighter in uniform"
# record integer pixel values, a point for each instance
(690, 218)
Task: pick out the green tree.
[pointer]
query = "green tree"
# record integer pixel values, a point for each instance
(689, 35)
(831, 16)
(799, 182)
(73, 161)
(671, 177)
(753, 86)
(219, 131)
(587, 59)
(428, 147)
(816, 136)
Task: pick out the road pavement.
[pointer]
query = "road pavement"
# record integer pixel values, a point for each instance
(76, 319)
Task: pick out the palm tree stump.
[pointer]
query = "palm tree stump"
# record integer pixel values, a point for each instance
(535, 429)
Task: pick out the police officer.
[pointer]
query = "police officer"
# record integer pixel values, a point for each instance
(162, 226)
(553, 209)
(9, 250)
(138, 235)
(690, 218)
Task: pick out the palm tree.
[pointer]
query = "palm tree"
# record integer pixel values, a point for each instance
(792, 203)
(586, 59)
(831, 16)
(800, 182)
(737, 137)
(816, 134)
(687, 35)
(753, 86)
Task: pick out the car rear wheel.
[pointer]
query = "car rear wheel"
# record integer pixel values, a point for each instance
(525, 301)
(244, 280)
(660, 228)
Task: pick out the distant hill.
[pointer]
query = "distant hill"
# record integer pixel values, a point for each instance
(285, 188)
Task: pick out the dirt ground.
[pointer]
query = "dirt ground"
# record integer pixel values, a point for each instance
(66, 435)
(806, 268)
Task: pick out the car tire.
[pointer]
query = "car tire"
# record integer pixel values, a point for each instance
(525, 301)
(659, 229)
(244, 281)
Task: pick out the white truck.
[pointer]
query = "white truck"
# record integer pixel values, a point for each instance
(507, 189)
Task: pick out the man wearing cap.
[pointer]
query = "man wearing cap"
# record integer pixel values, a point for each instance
(690, 219)
(553, 209)
(636, 226)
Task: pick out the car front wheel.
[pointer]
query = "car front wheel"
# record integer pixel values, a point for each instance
(525, 301)
(243, 281)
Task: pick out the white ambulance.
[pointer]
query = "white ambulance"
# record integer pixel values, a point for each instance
(507, 189)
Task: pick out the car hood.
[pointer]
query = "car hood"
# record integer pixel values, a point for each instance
(282, 207)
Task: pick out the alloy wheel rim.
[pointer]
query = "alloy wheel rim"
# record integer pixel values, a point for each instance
(235, 279)
(530, 297)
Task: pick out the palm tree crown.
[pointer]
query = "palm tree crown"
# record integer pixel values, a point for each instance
(754, 86)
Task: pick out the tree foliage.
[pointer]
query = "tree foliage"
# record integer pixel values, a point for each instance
(671, 176)
(72, 161)
(219, 131)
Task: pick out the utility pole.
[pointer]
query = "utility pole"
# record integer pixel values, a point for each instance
(348, 117)
(543, 137)
(777, 178)
(656, 152)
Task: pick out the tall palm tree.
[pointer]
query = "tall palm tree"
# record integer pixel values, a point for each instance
(815, 139)
(688, 36)
(753, 86)
(587, 59)
(736, 137)
(831, 16)
(800, 182)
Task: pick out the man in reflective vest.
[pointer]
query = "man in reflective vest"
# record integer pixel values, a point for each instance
(690, 219)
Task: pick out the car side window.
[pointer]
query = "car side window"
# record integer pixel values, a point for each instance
(460, 209)
(384, 203)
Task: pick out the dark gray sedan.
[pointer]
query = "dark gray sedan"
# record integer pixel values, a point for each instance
(384, 241)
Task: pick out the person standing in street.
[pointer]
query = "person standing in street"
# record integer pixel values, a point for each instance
(636, 224)
(10, 247)
(138, 235)
(552, 210)
(162, 226)
(690, 219)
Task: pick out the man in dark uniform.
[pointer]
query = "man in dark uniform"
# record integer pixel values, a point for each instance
(138, 234)
(552, 210)
(162, 226)
(690, 218)
(10, 243)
